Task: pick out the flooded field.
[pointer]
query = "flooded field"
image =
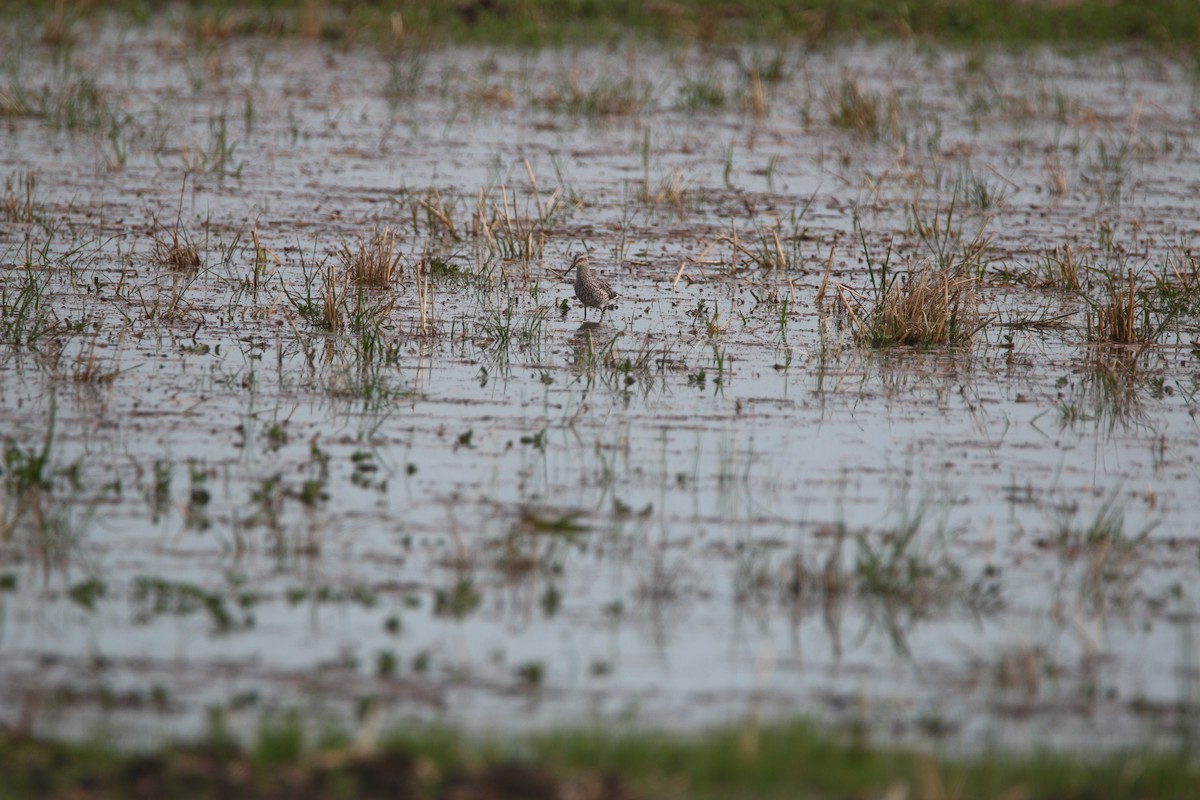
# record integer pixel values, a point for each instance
(300, 417)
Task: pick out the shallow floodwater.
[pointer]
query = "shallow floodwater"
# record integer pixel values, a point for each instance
(712, 504)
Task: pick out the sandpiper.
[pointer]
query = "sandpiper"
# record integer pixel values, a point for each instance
(591, 291)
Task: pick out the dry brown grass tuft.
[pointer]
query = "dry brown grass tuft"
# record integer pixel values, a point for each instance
(1114, 320)
(929, 306)
(1179, 279)
(1056, 179)
(492, 95)
(310, 19)
(671, 191)
(604, 99)
(867, 114)
(177, 253)
(758, 100)
(332, 294)
(13, 104)
(57, 30)
(14, 206)
(1060, 270)
(376, 262)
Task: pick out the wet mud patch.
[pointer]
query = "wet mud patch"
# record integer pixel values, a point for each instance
(241, 478)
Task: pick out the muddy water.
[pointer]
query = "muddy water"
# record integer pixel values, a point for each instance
(710, 505)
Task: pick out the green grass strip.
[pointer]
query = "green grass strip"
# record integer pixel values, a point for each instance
(535, 23)
(796, 761)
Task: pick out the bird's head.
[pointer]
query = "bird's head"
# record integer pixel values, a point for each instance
(579, 260)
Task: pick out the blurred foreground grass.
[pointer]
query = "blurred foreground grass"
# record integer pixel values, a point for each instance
(1067, 23)
(795, 760)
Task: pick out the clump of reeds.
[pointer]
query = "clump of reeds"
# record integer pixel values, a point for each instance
(57, 30)
(1056, 178)
(865, 113)
(14, 206)
(333, 292)
(930, 307)
(1177, 283)
(176, 252)
(927, 306)
(1114, 319)
(605, 98)
(701, 93)
(758, 99)
(375, 262)
(13, 103)
(671, 191)
(1059, 270)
